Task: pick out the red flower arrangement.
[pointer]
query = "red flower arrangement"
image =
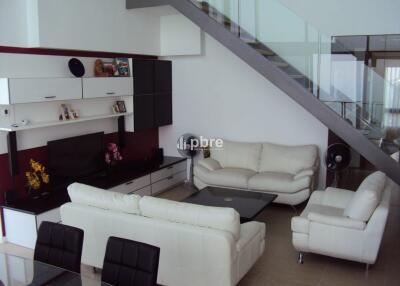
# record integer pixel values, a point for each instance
(112, 154)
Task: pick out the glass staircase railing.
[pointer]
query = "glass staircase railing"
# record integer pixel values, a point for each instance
(366, 98)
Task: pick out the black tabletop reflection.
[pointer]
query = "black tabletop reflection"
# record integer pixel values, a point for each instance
(247, 203)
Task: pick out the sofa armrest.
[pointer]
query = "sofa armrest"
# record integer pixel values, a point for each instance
(210, 164)
(304, 173)
(339, 221)
(336, 197)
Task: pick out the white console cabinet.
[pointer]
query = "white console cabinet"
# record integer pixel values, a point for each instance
(22, 222)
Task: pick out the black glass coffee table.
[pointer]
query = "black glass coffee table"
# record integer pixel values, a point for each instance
(247, 203)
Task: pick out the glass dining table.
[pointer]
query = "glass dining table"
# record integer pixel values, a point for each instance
(19, 271)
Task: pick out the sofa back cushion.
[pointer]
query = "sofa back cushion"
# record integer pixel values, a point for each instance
(367, 197)
(238, 155)
(225, 219)
(95, 197)
(287, 159)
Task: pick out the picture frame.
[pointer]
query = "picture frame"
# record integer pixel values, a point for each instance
(122, 66)
(121, 106)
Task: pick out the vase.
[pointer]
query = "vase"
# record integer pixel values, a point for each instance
(34, 194)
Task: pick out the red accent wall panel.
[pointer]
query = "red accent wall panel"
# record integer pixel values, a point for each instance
(139, 146)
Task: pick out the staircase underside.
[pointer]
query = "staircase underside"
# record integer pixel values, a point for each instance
(283, 81)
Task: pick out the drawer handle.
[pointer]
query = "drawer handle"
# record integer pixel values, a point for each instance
(170, 177)
(110, 93)
(129, 183)
(170, 167)
(50, 97)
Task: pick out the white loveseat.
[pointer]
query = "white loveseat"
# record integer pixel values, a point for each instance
(198, 245)
(345, 224)
(287, 171)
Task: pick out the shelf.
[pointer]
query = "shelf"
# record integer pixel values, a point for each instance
(57, 123)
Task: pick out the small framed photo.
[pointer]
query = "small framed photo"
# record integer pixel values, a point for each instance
(122, 66)
(121, 106)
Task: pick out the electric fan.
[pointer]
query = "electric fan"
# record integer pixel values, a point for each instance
(187, 147)
(337, 158)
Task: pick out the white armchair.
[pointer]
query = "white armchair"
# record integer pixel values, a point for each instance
(345, 224)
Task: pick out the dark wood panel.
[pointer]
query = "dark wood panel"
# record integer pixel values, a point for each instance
(71, 53)
(143, 76)
(163, 109)
(144, 111)
(163, 76)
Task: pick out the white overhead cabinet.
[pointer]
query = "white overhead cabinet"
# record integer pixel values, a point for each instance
(28, 90)
(107, 86)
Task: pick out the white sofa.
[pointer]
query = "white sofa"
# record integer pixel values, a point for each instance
(345, 224)
(199, 245)
(287, 171)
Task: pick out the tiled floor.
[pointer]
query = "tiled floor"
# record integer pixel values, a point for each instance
(278, 267)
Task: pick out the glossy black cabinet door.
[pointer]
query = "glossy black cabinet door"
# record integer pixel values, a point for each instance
(162, 76)
(143, 111)
(143, 76)
(163, 109)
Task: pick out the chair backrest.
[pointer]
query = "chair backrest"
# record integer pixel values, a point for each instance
(130, 263)
(59, 245)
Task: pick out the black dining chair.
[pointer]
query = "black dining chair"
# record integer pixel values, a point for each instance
(59, 245)
(130, 263)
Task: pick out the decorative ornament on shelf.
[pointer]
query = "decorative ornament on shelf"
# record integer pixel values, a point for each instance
(67, 112)
(99, 69)
(36, 177)
(76, 67)
(112, 155)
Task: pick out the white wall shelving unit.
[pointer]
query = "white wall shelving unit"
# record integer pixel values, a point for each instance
(62, 122)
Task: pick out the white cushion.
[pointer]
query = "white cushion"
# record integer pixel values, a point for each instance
(278, 182)
(226, 219)
(95, 197)
(238, 155)
(339, 221)
(287, 159)
(228, 177)
(210, 164)
(302, 223)
(367, 197)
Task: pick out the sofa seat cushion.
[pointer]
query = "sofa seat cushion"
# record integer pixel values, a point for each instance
(278, 182)
(302, 223)
(238, 155)
(287, 159)
(227, 177)
(367, 197)
(226, 219)
(95, 197)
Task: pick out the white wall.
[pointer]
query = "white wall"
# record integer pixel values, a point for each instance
(218, 95)
(179, 36)
(98, 25)
(13, 22)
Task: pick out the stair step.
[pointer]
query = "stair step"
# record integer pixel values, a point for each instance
(280, 64)
(265, 52)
